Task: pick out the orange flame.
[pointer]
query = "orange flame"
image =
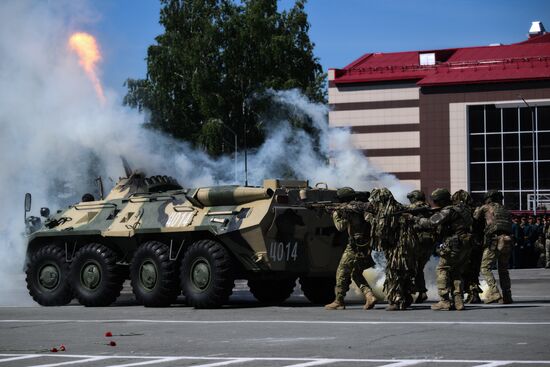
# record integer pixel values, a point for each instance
(85, 46)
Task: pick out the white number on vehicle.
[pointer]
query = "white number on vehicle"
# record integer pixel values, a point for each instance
(279, 251)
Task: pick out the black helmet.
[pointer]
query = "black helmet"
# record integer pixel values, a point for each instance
(494, 196)
(345, 193)
(462, 196)
(416, 195)
(441, 196)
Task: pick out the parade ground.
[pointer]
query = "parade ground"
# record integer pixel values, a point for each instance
(296, 333)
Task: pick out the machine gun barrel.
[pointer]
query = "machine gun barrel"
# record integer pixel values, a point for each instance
(357, 207)
(423, 210)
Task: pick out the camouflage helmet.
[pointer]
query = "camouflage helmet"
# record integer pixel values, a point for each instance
(416, 195)
(494, 196)
(442, 196)
(345, 193)
(462, 196)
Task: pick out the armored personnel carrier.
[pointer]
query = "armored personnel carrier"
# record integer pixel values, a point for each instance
(168, 240)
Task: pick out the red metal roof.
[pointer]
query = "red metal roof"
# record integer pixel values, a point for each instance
(528, 60)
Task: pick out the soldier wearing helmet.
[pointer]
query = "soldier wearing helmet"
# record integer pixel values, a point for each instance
(357, 255)
(453, 227)
(425, 247)
(497, 245)
(473, 261)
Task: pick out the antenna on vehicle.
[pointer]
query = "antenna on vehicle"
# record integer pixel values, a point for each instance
(127, 168)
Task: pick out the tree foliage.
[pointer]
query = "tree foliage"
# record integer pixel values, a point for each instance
(215, 60)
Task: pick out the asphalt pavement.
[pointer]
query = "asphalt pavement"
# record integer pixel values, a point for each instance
(296, 333)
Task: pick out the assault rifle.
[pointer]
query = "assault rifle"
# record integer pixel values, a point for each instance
(356, 207)
(422, 210)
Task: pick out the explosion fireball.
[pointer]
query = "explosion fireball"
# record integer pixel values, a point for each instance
(85, 46)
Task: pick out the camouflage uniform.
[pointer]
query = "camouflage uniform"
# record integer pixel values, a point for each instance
(472, 265)
(355, 259)
(425, 247)
(453, 224)
(396, 237)
(497, 246)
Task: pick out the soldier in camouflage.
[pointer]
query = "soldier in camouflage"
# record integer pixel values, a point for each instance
(357, 255)
(453, 225)
(425, 247)
(497, 245)
(396, 237)
(473, 262)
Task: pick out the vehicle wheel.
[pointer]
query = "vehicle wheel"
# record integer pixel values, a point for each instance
(272, 291)
(207, 275)
(48, 276)
(96, 279)
(318, 290)
(154, 276)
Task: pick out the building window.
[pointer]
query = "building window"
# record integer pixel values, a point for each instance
(510, 152)
(427, 58)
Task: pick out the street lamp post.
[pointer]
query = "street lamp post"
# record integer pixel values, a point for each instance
(535, 155)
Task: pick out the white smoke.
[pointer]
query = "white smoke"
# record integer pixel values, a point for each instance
(56, 137)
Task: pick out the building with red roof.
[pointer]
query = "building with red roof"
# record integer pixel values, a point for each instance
(473, 118)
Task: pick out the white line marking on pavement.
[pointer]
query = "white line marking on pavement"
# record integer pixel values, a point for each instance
(317, 362)
(91, 359)
(143, 363)
(145, 321)
(17, 358)
(225, 363)
(403, 363)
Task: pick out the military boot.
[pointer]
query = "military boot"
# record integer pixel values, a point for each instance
(493, 297)
(392, 307)
(370, 300)
(337, 304)
(473, 297)
(459, 304)
(443, 305)
(422, 297)
(506, 298)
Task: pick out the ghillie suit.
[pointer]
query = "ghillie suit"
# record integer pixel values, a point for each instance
(394, 235)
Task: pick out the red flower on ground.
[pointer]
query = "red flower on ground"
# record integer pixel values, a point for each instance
(62, 348)
(112, 343)
(108, 334)
(53, 350)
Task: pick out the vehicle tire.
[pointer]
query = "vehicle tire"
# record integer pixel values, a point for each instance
(207, 278)
(95, 278)
(272, 291)
(154, 277)
(318, 290)
(48, 276)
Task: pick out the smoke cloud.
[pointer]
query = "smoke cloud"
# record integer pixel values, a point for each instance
(56, 136)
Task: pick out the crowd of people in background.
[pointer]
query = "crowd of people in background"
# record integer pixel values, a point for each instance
(530, 236)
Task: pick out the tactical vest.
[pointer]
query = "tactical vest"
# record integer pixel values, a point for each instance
(497, 219)
(460, 222)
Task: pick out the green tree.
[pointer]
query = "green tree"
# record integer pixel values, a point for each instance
(214, 62)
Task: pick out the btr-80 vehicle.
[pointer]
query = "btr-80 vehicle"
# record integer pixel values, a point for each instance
(168, 240)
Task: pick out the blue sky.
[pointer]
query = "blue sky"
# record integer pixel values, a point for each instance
(342, 30)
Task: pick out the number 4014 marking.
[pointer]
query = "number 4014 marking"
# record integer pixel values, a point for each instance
(279, 251)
